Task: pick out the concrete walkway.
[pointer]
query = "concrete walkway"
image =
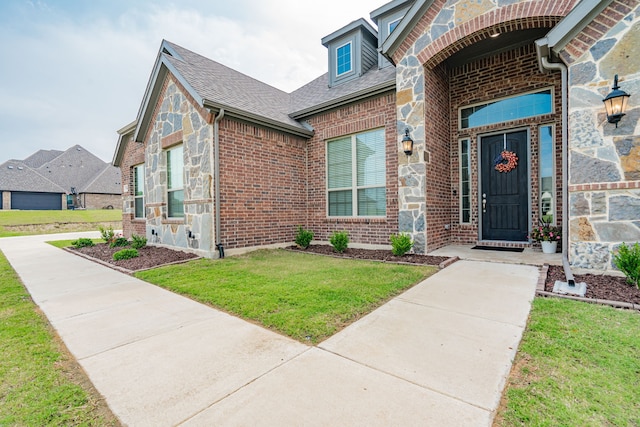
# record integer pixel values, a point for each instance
(437, 355)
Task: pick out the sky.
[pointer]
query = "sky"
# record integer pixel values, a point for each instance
(74, 71)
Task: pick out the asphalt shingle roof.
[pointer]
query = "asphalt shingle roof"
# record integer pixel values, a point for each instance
(15, 175)
(318, 92)
(108, 181)
(216, 82)
(41, 157)
(73, 168)
(223, 85)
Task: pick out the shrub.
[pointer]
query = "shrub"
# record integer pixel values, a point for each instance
(400, 243)
(339, 240)
(82, 242)
(107, 234)
(138, 242)
(303, 237)
(125, 254)
(628, 261)
(119, 241)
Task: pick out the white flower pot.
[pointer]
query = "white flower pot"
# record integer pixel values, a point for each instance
(549, 247)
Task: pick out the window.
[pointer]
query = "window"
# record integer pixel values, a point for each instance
(175, 193)
(343, 59)
(465, 181)
(356, 172)
(546, 167)
(504, 110)
(138, 191)
(393, 25)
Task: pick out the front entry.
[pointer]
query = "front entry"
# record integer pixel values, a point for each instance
(504, 195)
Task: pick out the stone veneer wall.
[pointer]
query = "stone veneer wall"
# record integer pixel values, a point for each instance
(179, 120)
(604, 180)
(447, 27)
(378, 112)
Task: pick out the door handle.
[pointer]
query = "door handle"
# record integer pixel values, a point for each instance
(484, 203)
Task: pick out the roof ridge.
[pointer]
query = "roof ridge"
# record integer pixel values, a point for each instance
(183, 59)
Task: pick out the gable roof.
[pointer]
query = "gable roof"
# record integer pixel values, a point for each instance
(41, 157)
(107, 181)
(72, 168)
(15, 175)
(215, 86)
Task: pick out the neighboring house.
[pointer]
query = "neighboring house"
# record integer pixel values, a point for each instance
(52, 179)
(218, 159)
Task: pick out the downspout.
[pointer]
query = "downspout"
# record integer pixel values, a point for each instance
(548, 65)
(216, 179)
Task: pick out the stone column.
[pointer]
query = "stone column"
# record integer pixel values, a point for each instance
(411, 170)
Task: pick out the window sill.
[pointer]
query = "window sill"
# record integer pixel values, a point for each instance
(352, 220)
(172, 221)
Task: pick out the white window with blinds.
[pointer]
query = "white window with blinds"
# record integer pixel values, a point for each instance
(138, 191)
(356, 175)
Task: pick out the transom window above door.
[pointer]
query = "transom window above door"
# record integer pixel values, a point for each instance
(507, 109)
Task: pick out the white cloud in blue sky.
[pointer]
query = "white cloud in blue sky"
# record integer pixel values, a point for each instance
(74, 71)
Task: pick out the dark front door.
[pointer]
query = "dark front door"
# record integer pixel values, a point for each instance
(504, 195)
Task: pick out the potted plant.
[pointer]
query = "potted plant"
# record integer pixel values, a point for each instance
(548, 235)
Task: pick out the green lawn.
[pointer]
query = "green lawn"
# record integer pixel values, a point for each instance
(35, 386)
(578, 365)
(20, 223)
(306, 297)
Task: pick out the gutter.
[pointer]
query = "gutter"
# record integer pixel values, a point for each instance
(256, 119)
(347, 99)
(542, 48)
(216, 180)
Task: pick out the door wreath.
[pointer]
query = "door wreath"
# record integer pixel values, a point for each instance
(506, 161)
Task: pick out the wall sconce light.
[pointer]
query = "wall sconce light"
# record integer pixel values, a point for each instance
(407, 143)
(616, 103)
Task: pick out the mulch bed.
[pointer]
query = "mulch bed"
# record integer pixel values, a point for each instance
(149, 256)
(603, 287)
(373, 255)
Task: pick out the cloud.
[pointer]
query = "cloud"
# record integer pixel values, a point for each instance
(76, 76)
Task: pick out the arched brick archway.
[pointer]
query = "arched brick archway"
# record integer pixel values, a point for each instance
(517, 16)
(431, 57)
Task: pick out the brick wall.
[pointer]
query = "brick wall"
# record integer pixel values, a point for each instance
(375, 113)
(263, 185)
(437, 167)
(133, 155)
(506, 74)
(99, 201)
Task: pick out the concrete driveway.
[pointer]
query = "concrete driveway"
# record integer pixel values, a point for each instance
(437, 355)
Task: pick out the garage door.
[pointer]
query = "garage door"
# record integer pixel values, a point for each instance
(36, 201)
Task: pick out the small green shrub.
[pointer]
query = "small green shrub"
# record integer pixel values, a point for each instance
(119, 241)
(400, 244)
(628, 261)
(138, 242)
(82, 242)
(107, 234)
(339, 240)
(303, 237)
(125, 254)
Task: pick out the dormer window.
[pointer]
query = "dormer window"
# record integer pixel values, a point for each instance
(394, 24)
(352, 51)
(343, 59)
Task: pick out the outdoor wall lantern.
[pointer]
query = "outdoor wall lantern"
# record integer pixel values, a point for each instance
(616, 103)
(407, 143)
